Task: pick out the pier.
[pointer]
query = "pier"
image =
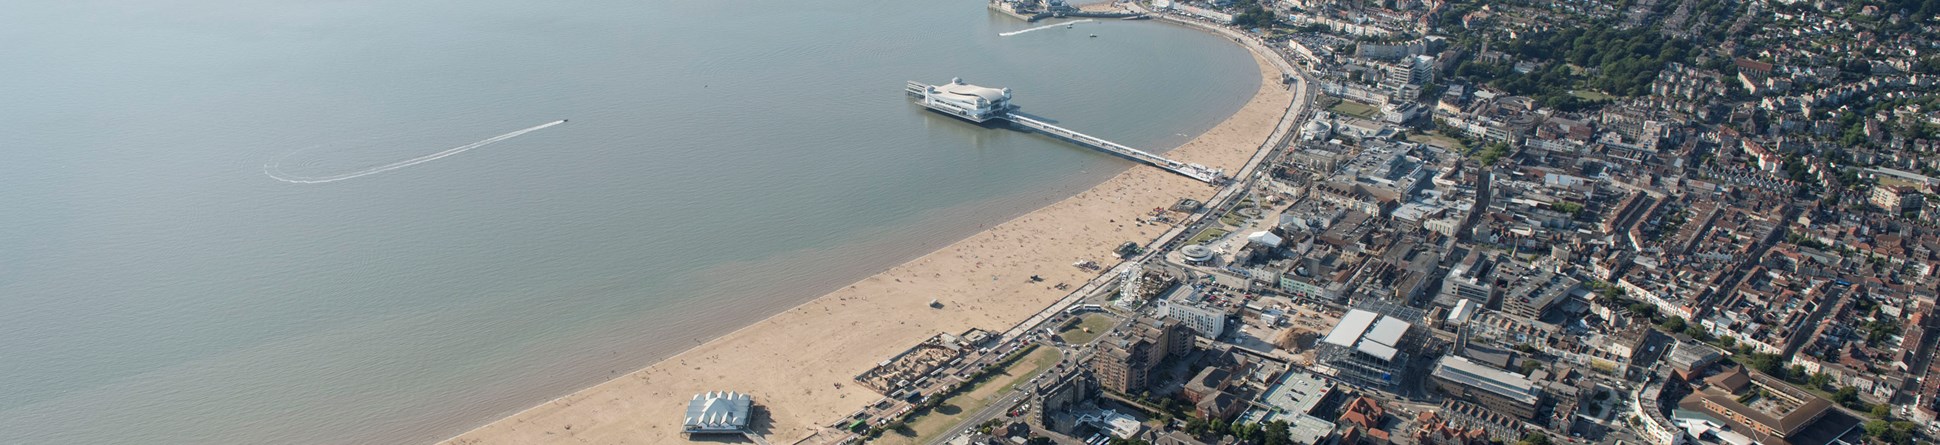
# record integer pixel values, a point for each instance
(981, 104)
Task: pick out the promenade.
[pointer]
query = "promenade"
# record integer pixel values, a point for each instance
(800, 363)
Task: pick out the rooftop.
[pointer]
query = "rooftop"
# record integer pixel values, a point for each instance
(1503, 383)
(1370, 333)
(1351, 327)
(963, 91)
(1296, 393)
(1388, 331)
(1776, 404)
(718, 411)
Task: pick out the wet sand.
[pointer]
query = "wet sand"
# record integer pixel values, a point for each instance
(799, 364)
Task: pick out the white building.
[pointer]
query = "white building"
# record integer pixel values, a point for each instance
(1265, 238)
(964, 100)
(1183, 304)
(718, 412)
(1366, 348)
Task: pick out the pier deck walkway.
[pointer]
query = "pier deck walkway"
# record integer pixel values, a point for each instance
(989, 109)
(1194, 171)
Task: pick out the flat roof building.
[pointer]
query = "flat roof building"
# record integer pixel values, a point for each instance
(1365, 348)
(1493, 388)
(1126, 357)
(1531, 295)
(1767, 409)
(1293, 400)
(1296, 394)
(1186, 305)
(1688, 357)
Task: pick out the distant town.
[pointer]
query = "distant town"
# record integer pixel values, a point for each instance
(1661, 222)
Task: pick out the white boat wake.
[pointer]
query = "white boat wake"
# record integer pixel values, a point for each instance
(1021, 31)
(274, 170)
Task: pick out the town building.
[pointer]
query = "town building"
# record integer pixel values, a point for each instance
(1896, 199)
(1471, 279)
(1688, 357)
(1531, 295)
(1499, 390)
(1758, 405)
(1127, 357)
(1185, 305)
(1366, 348)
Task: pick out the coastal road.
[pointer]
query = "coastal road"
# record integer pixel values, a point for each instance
(1066, 365)
(996, 408)
(1276, 144)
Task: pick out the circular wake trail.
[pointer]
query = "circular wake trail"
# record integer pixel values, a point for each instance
(274, 170)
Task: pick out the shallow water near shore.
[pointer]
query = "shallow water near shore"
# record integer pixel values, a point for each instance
(723, 161)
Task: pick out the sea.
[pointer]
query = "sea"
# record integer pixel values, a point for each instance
(722, 162)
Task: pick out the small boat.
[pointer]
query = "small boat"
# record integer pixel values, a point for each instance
(1067, 26)
(1094, 35)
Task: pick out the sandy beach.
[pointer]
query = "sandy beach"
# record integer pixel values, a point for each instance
(798, 364)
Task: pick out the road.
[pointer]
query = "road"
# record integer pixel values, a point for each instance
(1300, 110)
(991, 411)
(1073, 358)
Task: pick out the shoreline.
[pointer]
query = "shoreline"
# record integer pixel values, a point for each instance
(798, 362)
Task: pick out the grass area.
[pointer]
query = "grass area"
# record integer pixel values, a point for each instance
(1097, 323)
(1356, 109)
(1208, 235)
(1232, 219)
(973, 398)
(1437, 140)
(1593, 96)
(1890, 180)
(1022, 371)
(1489, 153)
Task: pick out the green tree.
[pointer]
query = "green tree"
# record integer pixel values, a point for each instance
(1770, 364)
(1641, 309)
(1674, 324)
(1255, 16)
(1276, 433)
(1819, 380)
(1250, 432)
(1890, 432)
(1197, 426)
(1846, 395)
(1534, 438)
(1696, 332)
(1879, 330)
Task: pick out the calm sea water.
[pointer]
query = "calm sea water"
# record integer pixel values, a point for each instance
(724, 161)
